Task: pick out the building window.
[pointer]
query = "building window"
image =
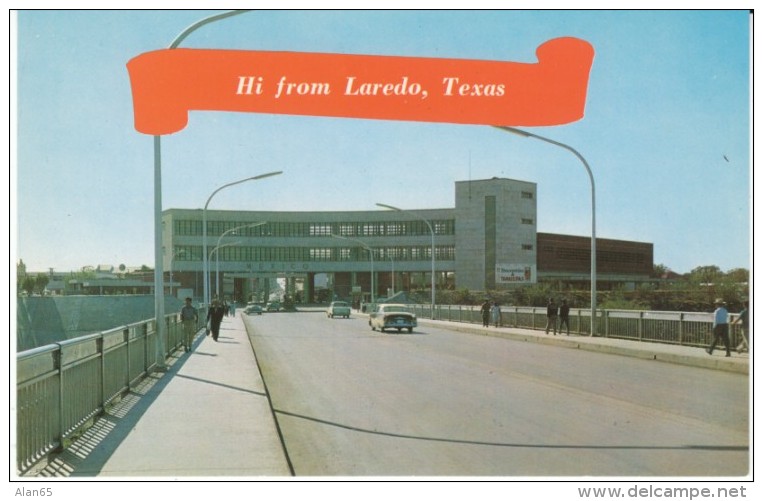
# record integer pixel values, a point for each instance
(527, 194)
(320, 230)
(527, 220)
(446, 227)
(320, 254)
(395, 229)
(187, 227)
(347, 229)
(527, 247)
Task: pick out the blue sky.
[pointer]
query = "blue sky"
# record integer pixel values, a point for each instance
(669, 96)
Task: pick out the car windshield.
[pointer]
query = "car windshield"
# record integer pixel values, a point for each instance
(339, 303)
(396, 309)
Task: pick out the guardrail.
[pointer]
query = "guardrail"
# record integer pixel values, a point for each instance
(61, 388)
(689, 329)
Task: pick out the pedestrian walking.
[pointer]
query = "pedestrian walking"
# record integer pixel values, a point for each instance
(485, 310)
(190, 319)
(743, 318)
(564, 316)
(495, 313)
(720, 327)
(214, 318)
(551, 314)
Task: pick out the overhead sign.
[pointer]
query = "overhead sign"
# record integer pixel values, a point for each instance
(167, 84)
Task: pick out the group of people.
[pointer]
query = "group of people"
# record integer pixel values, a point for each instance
(721, 327)
(190, 319)
(490, 311)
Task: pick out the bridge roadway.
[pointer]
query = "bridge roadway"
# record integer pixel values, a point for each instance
(211, 416)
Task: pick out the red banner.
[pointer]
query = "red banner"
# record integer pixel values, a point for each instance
(167, 84)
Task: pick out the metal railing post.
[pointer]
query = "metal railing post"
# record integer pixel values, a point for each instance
(59, 366)
(102, 389)
(128, 359)
(681, 328)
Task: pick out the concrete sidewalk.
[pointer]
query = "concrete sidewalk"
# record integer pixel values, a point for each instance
(208, 416)
(662, 352)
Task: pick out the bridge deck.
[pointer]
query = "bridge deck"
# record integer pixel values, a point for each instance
(209, 415)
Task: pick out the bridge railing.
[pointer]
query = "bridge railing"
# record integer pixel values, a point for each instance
(62, 387)
(673, 327)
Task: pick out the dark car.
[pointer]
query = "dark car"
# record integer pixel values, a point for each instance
(253, 309)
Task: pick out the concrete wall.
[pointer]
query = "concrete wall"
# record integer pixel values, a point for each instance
(46, 320)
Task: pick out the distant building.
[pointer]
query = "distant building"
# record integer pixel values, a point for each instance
(488, 241)
(100, 280)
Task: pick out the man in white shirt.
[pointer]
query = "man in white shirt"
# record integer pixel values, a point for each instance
(720, 327)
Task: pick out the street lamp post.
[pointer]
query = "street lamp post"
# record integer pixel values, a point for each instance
(204, 224)
(432, 232)
(158, 257)
(593, 209)
(217, 270)
(217, 262)
(392, 261)
(371, 253)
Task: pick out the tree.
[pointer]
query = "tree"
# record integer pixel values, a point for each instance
(738, 275)
(40, 283)
(32, 285)
(28, 285)
(705, 274)
(660, 271)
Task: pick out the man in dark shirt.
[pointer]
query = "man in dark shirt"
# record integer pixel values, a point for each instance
(564, 316)
(551, 312)
(485, 310)
(215, 317)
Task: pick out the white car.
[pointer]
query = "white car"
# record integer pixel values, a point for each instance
(338, 309)
(392, 316)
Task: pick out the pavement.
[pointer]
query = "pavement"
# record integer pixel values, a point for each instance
(209, 415)
(661, 352)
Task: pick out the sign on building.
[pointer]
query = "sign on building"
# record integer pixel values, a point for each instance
(515, 274)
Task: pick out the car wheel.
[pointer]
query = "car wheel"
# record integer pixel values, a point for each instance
(410, 329)
(399, 329)
(381, 329)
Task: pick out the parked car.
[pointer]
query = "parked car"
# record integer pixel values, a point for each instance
(253, 309)
(392, 316)
(273, 306)
(338, 309)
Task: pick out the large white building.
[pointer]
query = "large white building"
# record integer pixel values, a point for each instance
(489, 240)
